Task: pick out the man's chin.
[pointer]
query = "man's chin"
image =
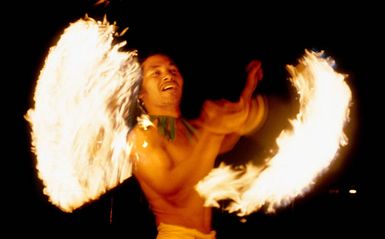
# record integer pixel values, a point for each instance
(170, 101)
(175, 95)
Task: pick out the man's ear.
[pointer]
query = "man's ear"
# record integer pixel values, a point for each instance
(141, 104)
(140, 95)
(140, 98)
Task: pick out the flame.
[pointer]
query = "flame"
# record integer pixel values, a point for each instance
(79, 120)
(304, 152)
(144, 121)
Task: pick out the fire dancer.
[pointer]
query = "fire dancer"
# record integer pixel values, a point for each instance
(173, 154)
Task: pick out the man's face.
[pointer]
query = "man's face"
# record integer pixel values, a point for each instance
(162, 82)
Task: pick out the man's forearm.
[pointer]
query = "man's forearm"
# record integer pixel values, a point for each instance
(257, 115)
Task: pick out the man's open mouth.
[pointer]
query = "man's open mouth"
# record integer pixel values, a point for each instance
(168, 86)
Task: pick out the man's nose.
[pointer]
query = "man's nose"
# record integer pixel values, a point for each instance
(167, 76)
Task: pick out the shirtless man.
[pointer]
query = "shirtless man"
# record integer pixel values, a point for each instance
(168, 168)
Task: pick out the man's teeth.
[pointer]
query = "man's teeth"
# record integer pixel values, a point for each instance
(167, 87)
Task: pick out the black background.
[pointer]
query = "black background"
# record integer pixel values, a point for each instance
(213, 43)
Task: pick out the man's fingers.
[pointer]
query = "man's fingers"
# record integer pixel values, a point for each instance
(249, 88)
(223, 106)
(254, 70)
(253, 65)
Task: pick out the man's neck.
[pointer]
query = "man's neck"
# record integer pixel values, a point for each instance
(165, 112)
(167, 126)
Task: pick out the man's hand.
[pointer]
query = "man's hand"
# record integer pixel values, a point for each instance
(254, 75)
(223, 116)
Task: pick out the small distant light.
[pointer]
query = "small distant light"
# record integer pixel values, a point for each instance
(352, 191)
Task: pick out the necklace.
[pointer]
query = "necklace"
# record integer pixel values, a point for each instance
(167, 126)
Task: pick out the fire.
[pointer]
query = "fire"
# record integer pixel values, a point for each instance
(79, 126)
(79, 120)
(304, 152)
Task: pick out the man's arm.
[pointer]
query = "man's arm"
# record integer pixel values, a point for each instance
(257, 107)
(166, 176)
(257, 115)
(255, 119)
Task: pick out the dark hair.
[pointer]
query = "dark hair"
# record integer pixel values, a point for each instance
(134, 110)
(146, 53)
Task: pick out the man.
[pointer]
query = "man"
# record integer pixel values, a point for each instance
(172, 154)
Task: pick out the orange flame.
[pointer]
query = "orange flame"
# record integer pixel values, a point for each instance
(78, 124)
(303, 152)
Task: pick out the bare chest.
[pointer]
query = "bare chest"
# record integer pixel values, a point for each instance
(181, 147)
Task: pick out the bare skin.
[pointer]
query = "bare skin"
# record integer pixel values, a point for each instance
(168, 171)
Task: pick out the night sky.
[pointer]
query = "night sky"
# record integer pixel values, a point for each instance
(213, 44)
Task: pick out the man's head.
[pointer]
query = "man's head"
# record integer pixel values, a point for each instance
(162, 84)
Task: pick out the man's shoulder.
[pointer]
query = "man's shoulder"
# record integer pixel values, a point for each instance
(135, 132)
(138, 134)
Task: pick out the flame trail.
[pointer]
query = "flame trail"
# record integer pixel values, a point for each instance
(304, 152)
(79, 120)
(79, 126)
